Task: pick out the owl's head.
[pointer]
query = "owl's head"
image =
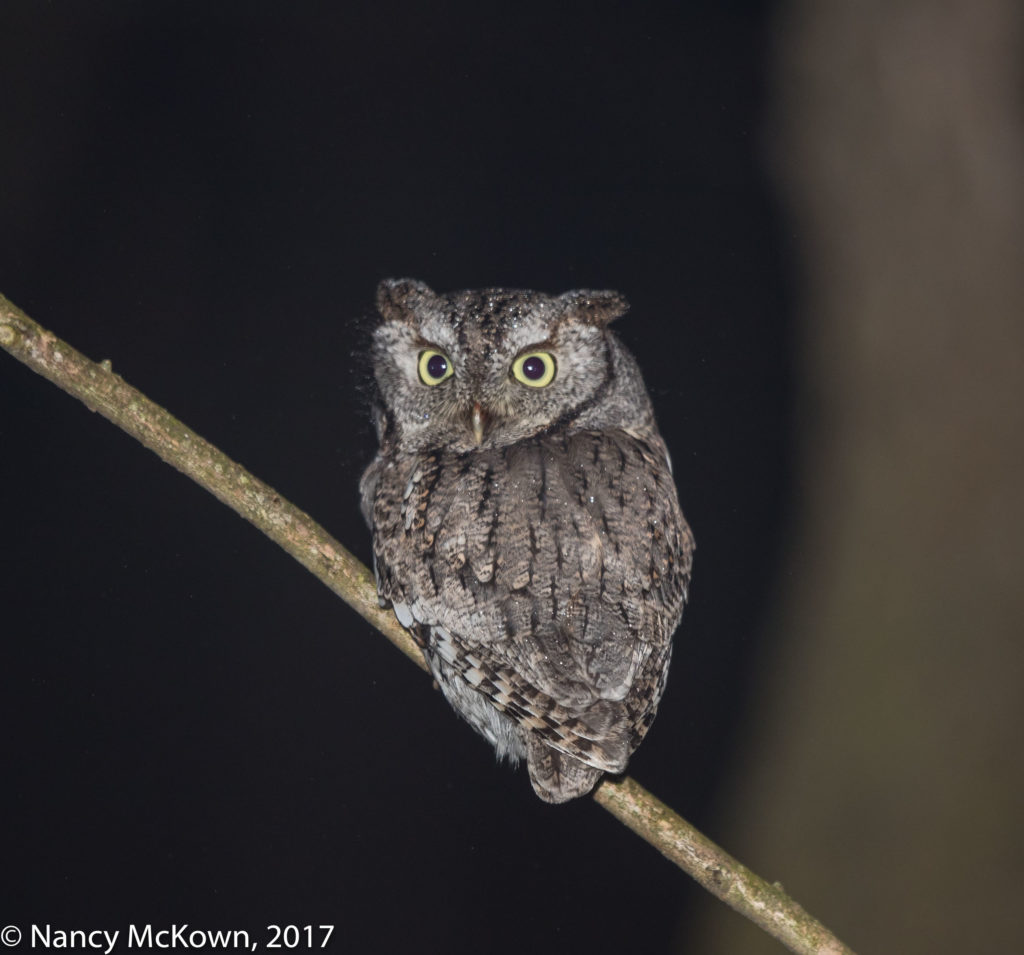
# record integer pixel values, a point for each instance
(490, 367)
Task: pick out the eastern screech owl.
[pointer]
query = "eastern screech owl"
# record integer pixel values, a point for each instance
(526, 528)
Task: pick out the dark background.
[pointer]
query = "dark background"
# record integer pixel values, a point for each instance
(194, 729)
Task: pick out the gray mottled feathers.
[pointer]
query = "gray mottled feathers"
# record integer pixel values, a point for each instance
(543, 569)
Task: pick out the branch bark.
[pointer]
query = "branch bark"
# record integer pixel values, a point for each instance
(101, 390)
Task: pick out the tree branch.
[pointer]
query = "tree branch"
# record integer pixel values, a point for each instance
(101, 390)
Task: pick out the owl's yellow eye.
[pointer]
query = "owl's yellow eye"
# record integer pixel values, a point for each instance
(535, 368)
(434, 366)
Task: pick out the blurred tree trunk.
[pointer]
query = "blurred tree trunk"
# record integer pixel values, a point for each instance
(884, 780)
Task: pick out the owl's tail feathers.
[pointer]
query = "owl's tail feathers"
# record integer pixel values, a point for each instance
(599, 735)
(566, 761)
(557, 777)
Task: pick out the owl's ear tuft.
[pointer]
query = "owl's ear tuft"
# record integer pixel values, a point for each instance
(398, 299)
(596, 308)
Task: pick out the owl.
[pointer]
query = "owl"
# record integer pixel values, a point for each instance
(526, 527)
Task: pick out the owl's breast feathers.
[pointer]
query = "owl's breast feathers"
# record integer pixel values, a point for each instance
(549, 575)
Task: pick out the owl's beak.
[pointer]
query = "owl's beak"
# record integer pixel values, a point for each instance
(479, 421)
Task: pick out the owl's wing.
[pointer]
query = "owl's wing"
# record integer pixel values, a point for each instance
(599, 732)
(550, 577)
(592, 568)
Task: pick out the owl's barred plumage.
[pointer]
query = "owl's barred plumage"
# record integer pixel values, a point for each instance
(529, 536)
